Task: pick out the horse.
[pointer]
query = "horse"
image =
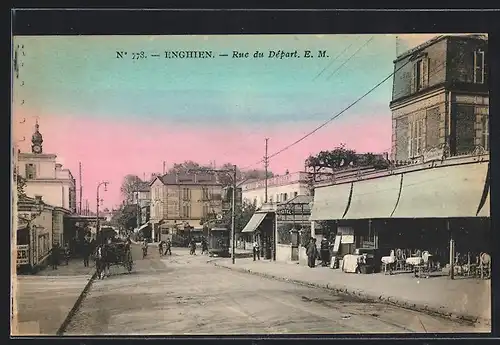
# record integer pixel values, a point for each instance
(101, 263)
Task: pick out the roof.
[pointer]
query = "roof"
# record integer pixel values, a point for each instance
(435, 40)
(188, 179)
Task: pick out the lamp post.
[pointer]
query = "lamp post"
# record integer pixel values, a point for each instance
(232, 174)
(105, 183)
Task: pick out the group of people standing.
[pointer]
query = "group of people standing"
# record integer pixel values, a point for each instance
(204, 246)
(313, 253)
(165, 247)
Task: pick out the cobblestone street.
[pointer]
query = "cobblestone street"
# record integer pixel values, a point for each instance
(182, 294)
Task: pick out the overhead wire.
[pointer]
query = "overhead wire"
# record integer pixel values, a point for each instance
(334, 117)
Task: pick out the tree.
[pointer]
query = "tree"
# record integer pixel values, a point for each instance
(258, 174)
(125, 216)
(21, 185)
(129, 186)
(183, 168)
(341, 157)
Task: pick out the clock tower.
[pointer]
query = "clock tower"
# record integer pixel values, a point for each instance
(36, 140)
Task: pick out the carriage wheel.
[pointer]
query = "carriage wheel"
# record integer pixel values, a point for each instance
(129, 262)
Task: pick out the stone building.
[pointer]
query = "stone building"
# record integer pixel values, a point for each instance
(180, 201)
(440, 98)
(45, 177)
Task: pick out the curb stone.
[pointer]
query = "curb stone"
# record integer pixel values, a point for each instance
(360, 295)
(77, 304)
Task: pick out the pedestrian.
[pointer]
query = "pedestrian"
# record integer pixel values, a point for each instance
(86, 252)
(325, 251)
(256, 250)
(192, 245)
(204, 245)
(54, 257)
(168, 247)
(161, 246)
(312, 253)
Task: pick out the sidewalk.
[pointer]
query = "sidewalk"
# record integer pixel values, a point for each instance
(468, 299)
(43, 301)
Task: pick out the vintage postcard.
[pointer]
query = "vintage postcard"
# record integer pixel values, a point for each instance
(250, 184)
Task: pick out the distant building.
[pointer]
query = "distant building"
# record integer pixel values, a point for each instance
(45, 177)
(440, 98)
(182, 201)
(279, 188)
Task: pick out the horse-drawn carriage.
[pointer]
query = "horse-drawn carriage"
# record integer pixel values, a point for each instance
(113, 254)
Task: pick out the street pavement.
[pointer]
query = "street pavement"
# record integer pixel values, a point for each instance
(42, 301)
(470, 298)
(183, 294)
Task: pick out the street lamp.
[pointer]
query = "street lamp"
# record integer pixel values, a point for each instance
(105, 183)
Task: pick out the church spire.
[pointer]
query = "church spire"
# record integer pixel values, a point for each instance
(36, 139)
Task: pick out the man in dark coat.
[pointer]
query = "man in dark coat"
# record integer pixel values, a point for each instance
(312, 253)
(86, 252)
(54, 256)
(325, 251)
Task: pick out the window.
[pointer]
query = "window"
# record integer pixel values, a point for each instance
(416, 138)
(485, 137)
(186, 211)
(30, 171)
(479, 69)
(433, 119)
(186, 195)
(206, 210)
(463, 138)
(205, 193)
(285, 196)
(295, 194)
(271, 199)
(420, 75)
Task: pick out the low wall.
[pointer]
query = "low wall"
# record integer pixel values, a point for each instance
(283, 252)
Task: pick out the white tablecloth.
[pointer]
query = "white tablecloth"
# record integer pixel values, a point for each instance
(350, 262)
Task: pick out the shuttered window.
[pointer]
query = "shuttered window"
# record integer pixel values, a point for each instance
(433, 118)
(464, 128)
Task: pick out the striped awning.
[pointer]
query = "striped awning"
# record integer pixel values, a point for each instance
(254, 222)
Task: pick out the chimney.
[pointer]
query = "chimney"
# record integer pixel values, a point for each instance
(176, 177)
(58, 166)
(38, 199)
(195, 178)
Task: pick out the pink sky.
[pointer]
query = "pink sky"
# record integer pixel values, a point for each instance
(111, 150)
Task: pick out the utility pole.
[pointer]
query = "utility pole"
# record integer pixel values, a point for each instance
(164, 167)
(233, 215)
(266, 164)
(81, 188)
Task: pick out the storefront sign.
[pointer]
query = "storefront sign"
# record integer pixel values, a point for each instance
(347, 234)
(23, 254)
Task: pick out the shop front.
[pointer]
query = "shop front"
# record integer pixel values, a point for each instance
(425, 210)
(292, 222)
(263, 227)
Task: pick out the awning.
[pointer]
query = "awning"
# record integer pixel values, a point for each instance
(254, 222)
(444, 192)
(485, 210)
(330, 202)
(375, 198)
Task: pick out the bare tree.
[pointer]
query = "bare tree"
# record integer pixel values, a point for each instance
(129, 186)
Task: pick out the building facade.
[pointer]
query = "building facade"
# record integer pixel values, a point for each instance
(440, 98)
(279, 188)
(180, 201)
(45, 177)
(34, 232)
